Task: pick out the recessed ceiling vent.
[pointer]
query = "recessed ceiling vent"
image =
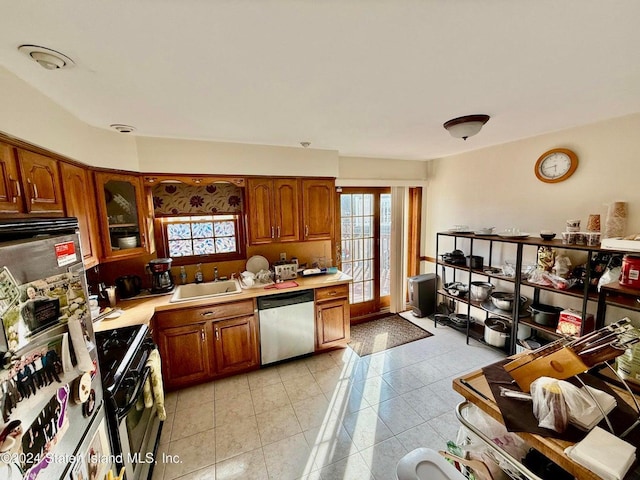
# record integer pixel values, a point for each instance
(123, 128)
(46, 58)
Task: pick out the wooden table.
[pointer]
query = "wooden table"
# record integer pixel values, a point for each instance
(474, 387)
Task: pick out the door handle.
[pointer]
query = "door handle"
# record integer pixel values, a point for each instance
(34, 191)
(208, 314)
(306, 230)
(272, 232)
(202, 335)
(278, 231)
(217, 334)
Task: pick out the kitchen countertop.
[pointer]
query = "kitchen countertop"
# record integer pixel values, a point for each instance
(140, 311)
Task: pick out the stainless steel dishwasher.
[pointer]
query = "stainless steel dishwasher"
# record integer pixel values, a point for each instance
(287, 325)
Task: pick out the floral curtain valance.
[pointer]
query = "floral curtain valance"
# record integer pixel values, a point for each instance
(181, 199)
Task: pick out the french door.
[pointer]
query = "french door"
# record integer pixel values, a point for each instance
(365, 247)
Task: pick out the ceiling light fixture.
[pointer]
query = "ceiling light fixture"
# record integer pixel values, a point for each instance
(467, 126)
(46, 58)
(123, 128)
(305, 144)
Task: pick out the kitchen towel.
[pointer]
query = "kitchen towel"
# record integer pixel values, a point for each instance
(605, 454)
(154, 383)
(80, 346)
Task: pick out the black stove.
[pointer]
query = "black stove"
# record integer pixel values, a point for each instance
(117, 348)
(134, 426)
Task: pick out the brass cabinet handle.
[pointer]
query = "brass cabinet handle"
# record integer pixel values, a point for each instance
(208, 314)
(16, 192)
(306, 230)
(332, 293)
(202, 334)
(272, 232)
(278, 231)
(217, 334)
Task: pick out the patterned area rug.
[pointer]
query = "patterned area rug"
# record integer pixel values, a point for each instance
(378, 335)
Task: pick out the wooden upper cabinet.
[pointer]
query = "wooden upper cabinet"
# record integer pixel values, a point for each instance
(41, 182)
(273, 210)
(122, 216)
(79, 199)
(10, 192)
(286, 210)
(318, 197)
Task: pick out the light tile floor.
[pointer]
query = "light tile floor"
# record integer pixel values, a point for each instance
(331, 416)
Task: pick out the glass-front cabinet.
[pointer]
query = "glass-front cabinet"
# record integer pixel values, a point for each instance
(124, 217)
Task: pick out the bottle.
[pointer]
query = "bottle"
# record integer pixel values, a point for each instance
(183, 275)
(199, 274)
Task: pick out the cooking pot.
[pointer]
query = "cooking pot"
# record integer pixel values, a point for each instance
(496, 332)
(524, 331)
(547, 315)
(128, 285)
(504, 300)
(475, 261)
(455, 258)
(457, 289)
(480, 291)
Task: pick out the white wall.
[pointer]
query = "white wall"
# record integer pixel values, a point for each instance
(161, 155)
(361, 171)
(31, 116)
(497, 186)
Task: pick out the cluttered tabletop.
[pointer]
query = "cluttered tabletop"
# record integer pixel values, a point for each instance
(486, 388)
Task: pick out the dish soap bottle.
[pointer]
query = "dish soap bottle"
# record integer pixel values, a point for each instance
(199, 277)
(183, 275)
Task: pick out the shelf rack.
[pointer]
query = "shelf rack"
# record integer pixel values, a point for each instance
(610, 294)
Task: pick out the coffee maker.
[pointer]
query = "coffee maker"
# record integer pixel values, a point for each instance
(161, 278)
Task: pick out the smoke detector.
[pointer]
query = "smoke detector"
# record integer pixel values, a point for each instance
(46, 58)
(123, 128)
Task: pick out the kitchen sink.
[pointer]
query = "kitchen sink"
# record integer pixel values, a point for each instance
(194, 291)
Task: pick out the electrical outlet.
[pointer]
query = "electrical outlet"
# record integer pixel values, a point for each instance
(283, 256)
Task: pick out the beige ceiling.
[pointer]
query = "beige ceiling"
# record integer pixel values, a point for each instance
(368, 78)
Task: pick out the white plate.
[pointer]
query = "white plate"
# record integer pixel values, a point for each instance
(115, 314)
(513, 235)
(257, 263)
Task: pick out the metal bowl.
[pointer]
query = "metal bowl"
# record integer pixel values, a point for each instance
(504, 300)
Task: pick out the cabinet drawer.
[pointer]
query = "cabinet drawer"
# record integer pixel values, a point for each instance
(331, 293)
(202, 314)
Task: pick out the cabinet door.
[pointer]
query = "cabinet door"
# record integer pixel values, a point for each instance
(286, 210)
(332, 324)
(41, 181)
(318, 208)
(235, 344)
(10, 192)
(122, 216)
(79, 198)
(261, 211)
(185, 355)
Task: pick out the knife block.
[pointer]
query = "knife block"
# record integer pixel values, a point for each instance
(560, 364)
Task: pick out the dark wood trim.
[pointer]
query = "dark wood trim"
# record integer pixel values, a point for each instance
(415, 226)
(427, 259)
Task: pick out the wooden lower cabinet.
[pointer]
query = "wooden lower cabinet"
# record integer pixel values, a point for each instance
(185, 355)
(200, 344)
(235, 345)
(332, 317)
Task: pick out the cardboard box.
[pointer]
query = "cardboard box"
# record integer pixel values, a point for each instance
(570, 322)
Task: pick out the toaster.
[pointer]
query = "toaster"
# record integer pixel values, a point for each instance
(286, 271)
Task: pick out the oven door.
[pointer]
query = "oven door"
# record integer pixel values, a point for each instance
(138, 428)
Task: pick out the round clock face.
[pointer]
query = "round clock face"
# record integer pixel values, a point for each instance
(556, 165)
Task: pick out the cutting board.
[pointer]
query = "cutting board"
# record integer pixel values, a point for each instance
(281, 285)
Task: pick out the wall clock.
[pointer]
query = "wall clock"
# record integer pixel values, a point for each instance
(556, 165)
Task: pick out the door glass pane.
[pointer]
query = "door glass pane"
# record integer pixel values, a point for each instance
(368, 269)
(368, 205)
(385, 244)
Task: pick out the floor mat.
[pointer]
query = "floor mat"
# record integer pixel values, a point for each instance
(378, 335)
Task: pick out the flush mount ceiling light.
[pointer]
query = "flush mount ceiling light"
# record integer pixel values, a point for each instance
(467, 126)
(305, 144)
(123, 128)
(46, 58)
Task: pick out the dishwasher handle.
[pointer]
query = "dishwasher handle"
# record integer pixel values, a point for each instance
(284, 299)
